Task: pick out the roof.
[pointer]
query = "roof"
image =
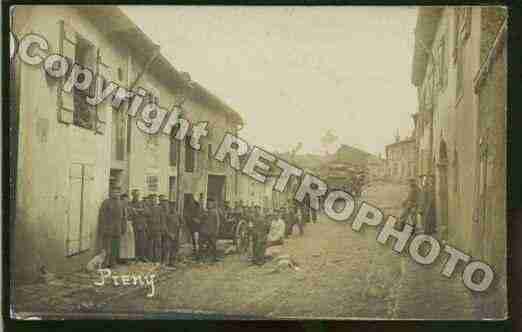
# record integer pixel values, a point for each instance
(404, 141)
(427, 19)
(122, 30)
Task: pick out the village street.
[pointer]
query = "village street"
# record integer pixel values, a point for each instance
(342, 274)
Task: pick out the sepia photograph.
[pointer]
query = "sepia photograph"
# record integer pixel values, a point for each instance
(258, 162)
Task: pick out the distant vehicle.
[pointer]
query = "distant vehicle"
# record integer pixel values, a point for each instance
(236, 228)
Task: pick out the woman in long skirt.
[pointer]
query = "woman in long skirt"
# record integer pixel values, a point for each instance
(127, 244)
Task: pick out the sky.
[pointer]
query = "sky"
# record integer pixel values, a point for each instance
(295, 73)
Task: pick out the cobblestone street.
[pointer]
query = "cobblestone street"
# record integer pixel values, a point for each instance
(343, 274)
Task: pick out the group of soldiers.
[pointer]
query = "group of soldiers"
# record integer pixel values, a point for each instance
(261, 221)
(356, 184)
(155, 227)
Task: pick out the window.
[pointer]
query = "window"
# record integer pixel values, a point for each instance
(81, 208)
(85, 55)
(73, 108)
(152, 96)
(190, 156)
(152, 183)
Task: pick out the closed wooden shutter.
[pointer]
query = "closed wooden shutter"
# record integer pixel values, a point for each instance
(89, 215)
(75, 210)
(67, 45)
(82, 214)
(102, 109)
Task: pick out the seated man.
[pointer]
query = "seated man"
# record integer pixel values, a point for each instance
(277, 229)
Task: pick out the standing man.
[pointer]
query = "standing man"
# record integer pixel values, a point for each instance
(210, 228)
(127, 241)
(260, 231)
(192, 218)
(305, 211)
(174, 223)
(293, 217)
(313, 212)
(155, 229)
(410, 205)
(167, 216)
(427, 207)
(139, 222)
(112, 226)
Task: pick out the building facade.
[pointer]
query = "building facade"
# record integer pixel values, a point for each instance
(70, 153)
(401, 159)
(459, 69)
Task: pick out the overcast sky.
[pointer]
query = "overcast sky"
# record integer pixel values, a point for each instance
(294, 73)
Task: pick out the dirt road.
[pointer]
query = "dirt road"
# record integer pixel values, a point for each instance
(342, 274)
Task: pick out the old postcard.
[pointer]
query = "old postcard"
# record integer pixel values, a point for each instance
(328, 162)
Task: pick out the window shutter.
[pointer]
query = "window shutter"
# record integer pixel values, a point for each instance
(102, 109)
(89, 212)
(75, 210)
(68, 49)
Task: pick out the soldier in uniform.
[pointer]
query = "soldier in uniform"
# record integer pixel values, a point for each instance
(169, 224)
(291, 217)
(260, 232)
(155, 229)
(112, 226)
(192, 217)
(305, 210)
(427, 206)
(296, 218)
(210, 228)
(139, 221)
(173, 227)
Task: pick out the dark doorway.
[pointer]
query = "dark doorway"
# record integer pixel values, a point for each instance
(115, 179)
(216, 188)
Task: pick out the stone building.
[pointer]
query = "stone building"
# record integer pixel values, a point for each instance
(459, 69)
(401, 159)
(69, 154)
(376, 168)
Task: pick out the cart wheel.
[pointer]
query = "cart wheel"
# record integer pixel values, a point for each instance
(242, 238)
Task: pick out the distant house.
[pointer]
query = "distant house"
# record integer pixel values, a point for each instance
(401, 159)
